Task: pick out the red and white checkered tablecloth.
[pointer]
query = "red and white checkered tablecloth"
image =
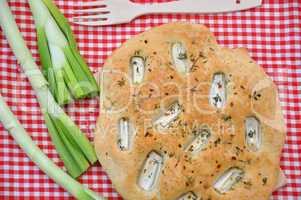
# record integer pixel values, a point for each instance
(272, 33)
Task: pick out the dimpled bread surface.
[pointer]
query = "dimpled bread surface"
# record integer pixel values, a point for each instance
(249, 93)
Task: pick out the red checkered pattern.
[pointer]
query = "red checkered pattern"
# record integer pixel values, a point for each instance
(272, 33)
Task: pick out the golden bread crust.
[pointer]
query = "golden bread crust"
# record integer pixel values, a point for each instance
(250, 92)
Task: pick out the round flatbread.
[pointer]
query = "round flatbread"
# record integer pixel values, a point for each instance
(184, 118)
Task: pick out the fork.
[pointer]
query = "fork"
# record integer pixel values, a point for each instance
(108, 12)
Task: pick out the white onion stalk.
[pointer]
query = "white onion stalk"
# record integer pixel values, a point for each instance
(218, 93)
(14, 127)
(253, 135)
(138, 69)
(169, 116)
(124, 134)
(66, 71)
(199, 142)
(179, 57)
(72, 145)
(228, 179)
(151, 170)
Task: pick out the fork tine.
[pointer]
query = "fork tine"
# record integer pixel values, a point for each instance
(92, 10)
(93, 23)
(87, 17)
(92, 3)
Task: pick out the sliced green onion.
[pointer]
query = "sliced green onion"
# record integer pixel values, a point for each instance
(66, 71)
(228, 179)
(150, 172)
(72, 145)
(188, 196)
(11, 123)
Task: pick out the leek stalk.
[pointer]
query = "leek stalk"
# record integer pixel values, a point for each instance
(11, 123)
(72, 145)
(66, 71)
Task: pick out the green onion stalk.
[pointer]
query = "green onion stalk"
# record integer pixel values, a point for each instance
(11, 123)
(68, 75)
(73, 146)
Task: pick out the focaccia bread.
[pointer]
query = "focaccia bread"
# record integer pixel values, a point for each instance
(184, 118)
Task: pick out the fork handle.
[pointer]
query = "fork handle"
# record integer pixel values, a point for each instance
(202, 6)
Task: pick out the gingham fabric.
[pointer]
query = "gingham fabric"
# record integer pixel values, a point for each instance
(272, 33)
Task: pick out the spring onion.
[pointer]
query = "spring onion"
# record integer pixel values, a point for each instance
(72, 145)
(11, 123)
(66, 71)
